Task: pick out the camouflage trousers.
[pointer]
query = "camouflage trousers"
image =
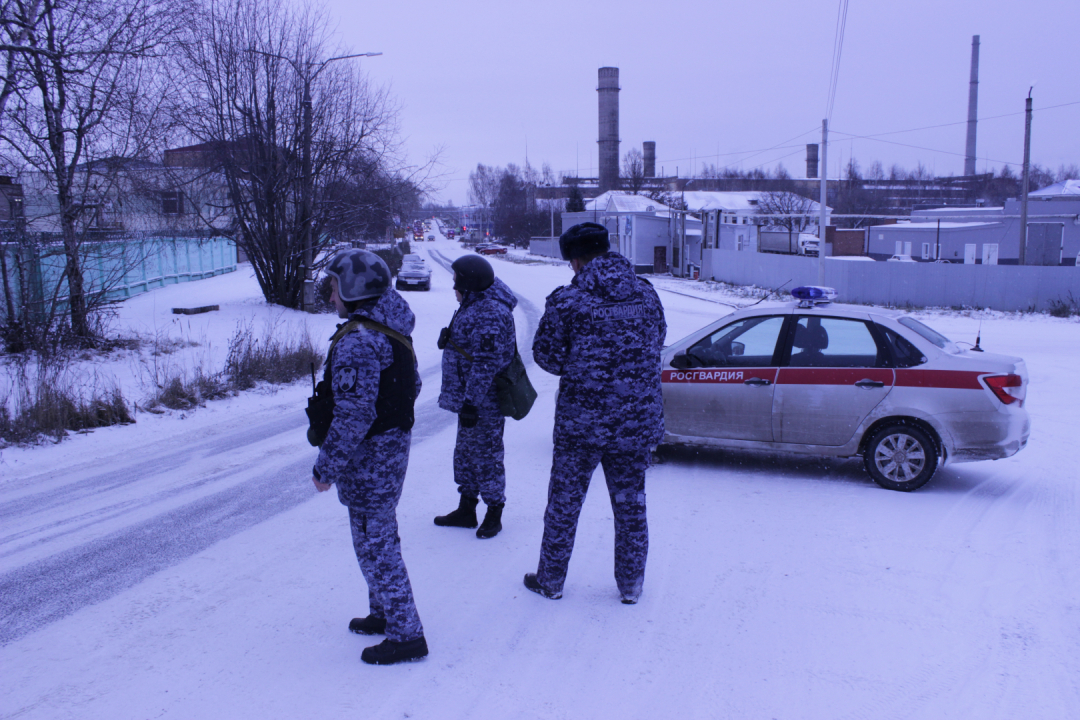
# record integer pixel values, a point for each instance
(478, 459)
(571, 471)
(378, 548)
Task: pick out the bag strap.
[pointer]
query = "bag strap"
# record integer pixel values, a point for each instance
(348, 327)
(388, 332)
(343, 330)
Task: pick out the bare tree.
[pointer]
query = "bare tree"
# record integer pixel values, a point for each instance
(787, 210)
(80, 83)
(484, 185)
(633, 171)
(249, 62)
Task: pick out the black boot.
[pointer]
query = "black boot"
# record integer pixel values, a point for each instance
(389, 652)
(533, 584)
(369, 625)
(464, 516)
(492, 522)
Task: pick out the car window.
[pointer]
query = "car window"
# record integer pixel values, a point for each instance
(929, 334)
(834, 342)
(904, 354)
(746, 343)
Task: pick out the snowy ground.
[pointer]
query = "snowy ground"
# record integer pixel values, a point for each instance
(184, 567)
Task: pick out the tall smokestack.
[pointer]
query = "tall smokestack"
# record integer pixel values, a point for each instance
(648, 151)
(608, 90)
(973, 107)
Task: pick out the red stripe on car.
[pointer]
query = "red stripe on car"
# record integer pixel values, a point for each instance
(947, 379)
(833, 376)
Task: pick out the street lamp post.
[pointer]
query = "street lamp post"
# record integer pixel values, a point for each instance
(307, 297)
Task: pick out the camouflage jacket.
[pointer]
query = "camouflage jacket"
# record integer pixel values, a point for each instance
(483, 327)
(602, 334)
(365, 469)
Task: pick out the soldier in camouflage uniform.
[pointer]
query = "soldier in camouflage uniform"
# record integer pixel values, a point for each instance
(479, 343)
(366, 450)
(602, 335)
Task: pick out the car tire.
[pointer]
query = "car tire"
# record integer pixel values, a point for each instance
(901, 457)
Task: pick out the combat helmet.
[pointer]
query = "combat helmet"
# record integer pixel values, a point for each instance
(472, 273)
(360, 274)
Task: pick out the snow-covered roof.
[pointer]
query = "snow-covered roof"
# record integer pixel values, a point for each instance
(745, 201)
(1065, 187)
(932, 227)
(618, 201)
(959, 210)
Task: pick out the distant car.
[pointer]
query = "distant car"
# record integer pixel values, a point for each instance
(815, 378)
(430, 237)
(414, 275)
(900, 258)
(490, 249)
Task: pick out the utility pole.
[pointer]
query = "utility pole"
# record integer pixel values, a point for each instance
(824, 219)
(307, 187)
(1024, 191)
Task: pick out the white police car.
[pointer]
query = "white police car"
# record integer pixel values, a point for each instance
(820, 378)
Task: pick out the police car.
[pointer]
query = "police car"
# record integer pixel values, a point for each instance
(820, 378)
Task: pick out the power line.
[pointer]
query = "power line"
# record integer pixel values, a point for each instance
(960, 122)
(780, 146)
(919, 147)
(838, 50)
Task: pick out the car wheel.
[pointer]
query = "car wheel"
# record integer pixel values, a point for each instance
(901, 457)
(399, 286)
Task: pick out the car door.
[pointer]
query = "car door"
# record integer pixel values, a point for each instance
(721, 385)
(833, 374)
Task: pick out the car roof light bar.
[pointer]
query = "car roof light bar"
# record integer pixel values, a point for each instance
(811, 295)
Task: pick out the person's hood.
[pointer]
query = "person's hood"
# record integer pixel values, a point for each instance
(609, 277)
(497, 291)
(391, 310)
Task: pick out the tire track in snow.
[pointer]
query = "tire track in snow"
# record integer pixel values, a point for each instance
(43, 591)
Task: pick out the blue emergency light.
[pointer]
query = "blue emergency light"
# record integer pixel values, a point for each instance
(810, 295)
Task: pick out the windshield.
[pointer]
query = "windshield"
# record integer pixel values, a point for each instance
(929, 334)
(413, 267)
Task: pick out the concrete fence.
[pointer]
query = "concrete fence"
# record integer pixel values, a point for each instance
(998, 287)
(545, 246)
(113, 269)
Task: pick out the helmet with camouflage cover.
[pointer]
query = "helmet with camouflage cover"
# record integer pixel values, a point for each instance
(360, 274)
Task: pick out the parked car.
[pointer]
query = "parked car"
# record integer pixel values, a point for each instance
(490, 249)
(414, 275)
(818, 378)
(900, 258)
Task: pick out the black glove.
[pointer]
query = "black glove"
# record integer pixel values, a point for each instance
(469, 415)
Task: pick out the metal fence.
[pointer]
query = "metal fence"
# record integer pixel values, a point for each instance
(114, 267)
(997, 287)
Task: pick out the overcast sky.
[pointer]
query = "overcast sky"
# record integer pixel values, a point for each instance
(727, 83)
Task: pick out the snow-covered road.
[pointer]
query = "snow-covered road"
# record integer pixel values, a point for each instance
(185, 567)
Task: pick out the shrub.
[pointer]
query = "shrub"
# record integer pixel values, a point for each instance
(270, 359)
(49, 403)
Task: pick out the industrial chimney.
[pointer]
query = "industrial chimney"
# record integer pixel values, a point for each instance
(608, 90)
(648, 150)
(811, 160)
(973, 108)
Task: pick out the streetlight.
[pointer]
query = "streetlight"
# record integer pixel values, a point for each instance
(307, 298)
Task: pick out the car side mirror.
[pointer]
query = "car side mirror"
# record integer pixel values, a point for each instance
(737, 348)
(680, 361)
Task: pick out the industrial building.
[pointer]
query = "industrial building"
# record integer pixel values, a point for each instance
(988, 236)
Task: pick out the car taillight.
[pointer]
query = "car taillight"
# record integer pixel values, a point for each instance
(1007, 388)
